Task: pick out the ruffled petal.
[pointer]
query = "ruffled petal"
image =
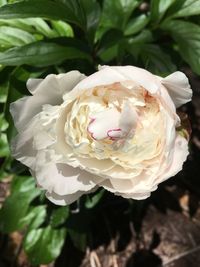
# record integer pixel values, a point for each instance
(63, 200)
(61, 178)
(67, 199)
(179, 157)
(108, 75)
(65, 83)
(22, 145)
(178, 88)
(47, 91)
(136, 196)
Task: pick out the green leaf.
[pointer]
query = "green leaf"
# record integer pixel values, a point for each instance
(35, 217)
(92, 12)
(187, 36)
(75, 7)
(40, 54)
(62, 28)
(31, 25)
(22, 184)
(159, 7)
(185, 8)
(15, 208)
(79, 239)
(17, 23)
(44, 245)
(15, 37)
(4, 147)
(156, 60)
(56, 10)
(143, 37)
(116, 13)
(3, 2)
(108, 47)
(3, 123)
(91, 202)
(13, 95)
(3, 93)
(134, 44)
(59, 216)
(40, 26)
(137, 24)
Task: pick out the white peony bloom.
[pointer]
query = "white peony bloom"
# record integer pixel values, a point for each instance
(115, 129)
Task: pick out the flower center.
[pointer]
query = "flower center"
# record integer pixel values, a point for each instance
(113, 124)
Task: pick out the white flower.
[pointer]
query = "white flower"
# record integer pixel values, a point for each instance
(115, 129)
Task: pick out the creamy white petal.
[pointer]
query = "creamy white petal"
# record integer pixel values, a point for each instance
(67, 199)
(33, 84)
(24, 152)
(104, 122)
(64, 200)
(178, 88)
(48, 91)
(132, 185)
(61, 178)
(129, 118)
(136, 196)
(179, 157)
(69, 80)
(66, 82)
(22, 145)
(108, 75)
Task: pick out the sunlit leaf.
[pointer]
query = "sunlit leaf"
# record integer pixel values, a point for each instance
(15, 208)
(35, 217)
(57, 10)
(59, 216)
(137, 24)
(187, 36)
(92, 12)
(116, 13)
(62, 28)
(185, 8)
(15, 37)
(40, 54)
(92, 201)
(159, 7)
(43, 245)
(4, 148)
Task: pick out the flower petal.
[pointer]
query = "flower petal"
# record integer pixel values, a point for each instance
(108, 75)
(178, 88)
(103, 122)
(22, 145)
(63, 200)
(61, 178)
(67, 199)
(47, 91)
(179, 157)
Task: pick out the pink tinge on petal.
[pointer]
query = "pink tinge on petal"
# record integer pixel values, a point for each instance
(114, 134)
(113, 124)
(102, 122)
(88, 128)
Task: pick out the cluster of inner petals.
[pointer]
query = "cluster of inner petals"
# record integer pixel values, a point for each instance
(112, 124)
(120, 122)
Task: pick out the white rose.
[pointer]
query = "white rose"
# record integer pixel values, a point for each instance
(115, 129)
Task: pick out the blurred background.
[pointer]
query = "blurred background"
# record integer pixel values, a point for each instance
(39, 37)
